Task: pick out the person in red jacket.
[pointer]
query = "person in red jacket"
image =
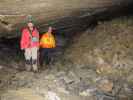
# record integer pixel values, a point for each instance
(30, 44)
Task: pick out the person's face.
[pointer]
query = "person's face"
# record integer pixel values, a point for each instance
(50, 30)
(30, 25)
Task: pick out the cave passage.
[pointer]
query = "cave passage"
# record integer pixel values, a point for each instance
(93, 57)
(66, 29)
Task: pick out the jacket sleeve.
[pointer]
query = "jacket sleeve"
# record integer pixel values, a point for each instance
(41, 41)
(22, 41)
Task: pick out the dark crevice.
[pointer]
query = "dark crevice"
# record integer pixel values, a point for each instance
(3, 22)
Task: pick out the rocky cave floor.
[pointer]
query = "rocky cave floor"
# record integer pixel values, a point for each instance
(97, 66)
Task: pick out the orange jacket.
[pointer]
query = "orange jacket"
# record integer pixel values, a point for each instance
(47, 41)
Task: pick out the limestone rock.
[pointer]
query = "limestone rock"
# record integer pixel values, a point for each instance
(88, 92)
(21, 94)
(62, 14)
(52, 96)
(105, 85)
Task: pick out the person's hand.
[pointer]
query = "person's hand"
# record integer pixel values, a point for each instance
(22, 49)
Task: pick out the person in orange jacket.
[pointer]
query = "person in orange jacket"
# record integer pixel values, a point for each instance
(30, 44)
(47, 44)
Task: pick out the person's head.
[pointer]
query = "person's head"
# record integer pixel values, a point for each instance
(30, 25)
(50, 30)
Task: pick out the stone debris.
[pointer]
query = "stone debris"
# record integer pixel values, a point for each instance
(105, 85)
(88, 92)
(52, 96)
(21, 94)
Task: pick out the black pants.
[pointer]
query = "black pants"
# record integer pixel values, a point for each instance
(45, 55)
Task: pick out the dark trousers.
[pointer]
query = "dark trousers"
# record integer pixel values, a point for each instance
(45, 55)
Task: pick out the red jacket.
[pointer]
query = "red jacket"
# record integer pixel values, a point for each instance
(27, 39)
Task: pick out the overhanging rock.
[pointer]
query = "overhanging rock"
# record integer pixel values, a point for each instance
(70, 15)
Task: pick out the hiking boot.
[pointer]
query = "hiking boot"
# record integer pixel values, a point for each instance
(28, 65)
(34, 66)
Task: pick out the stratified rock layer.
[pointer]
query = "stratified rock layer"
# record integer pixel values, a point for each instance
(64, 14)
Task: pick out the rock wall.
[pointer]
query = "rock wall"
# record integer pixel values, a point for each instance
(63, 14)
